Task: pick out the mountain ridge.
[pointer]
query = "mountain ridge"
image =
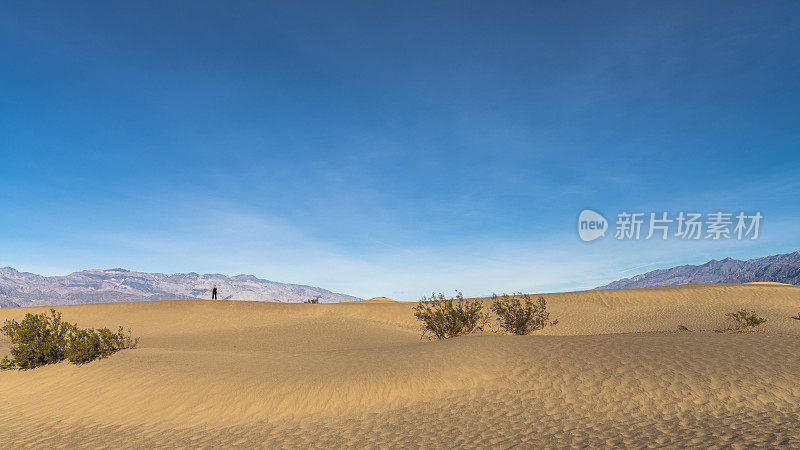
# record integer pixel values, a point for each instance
(120, 285)
(782, 268)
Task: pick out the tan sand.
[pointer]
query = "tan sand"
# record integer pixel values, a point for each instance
(379, 300)
(611, 373)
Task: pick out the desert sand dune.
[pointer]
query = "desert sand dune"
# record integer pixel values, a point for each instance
(612, 373)
(379, 300)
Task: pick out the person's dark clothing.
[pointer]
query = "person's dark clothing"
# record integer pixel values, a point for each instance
(214, 294)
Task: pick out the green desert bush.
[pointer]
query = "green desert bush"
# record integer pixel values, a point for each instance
(90, 344)
(37, 340)
(450, 317)
(314, 300)
(518, 317)
(745, 319)
(40, 339)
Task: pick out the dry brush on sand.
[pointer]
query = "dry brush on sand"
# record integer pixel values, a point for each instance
(444, 318)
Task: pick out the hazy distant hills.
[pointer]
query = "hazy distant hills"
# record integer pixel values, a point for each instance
(779, 268)
(120, 285)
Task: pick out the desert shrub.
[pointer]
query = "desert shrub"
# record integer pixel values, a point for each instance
(450, 317)
(87, 345)
(40, 339)
(518, 317)
(6, 363)
(128, 341)
(37, 340)
(746, 319)
(314, 300)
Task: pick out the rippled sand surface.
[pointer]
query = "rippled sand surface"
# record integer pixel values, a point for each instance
(611, 373)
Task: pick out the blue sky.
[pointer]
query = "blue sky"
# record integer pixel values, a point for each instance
(391, 148)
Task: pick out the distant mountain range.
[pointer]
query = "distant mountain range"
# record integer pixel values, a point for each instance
(779, 268)
(120, 285)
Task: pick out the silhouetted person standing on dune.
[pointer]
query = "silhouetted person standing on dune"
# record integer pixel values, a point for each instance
(214, 292)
